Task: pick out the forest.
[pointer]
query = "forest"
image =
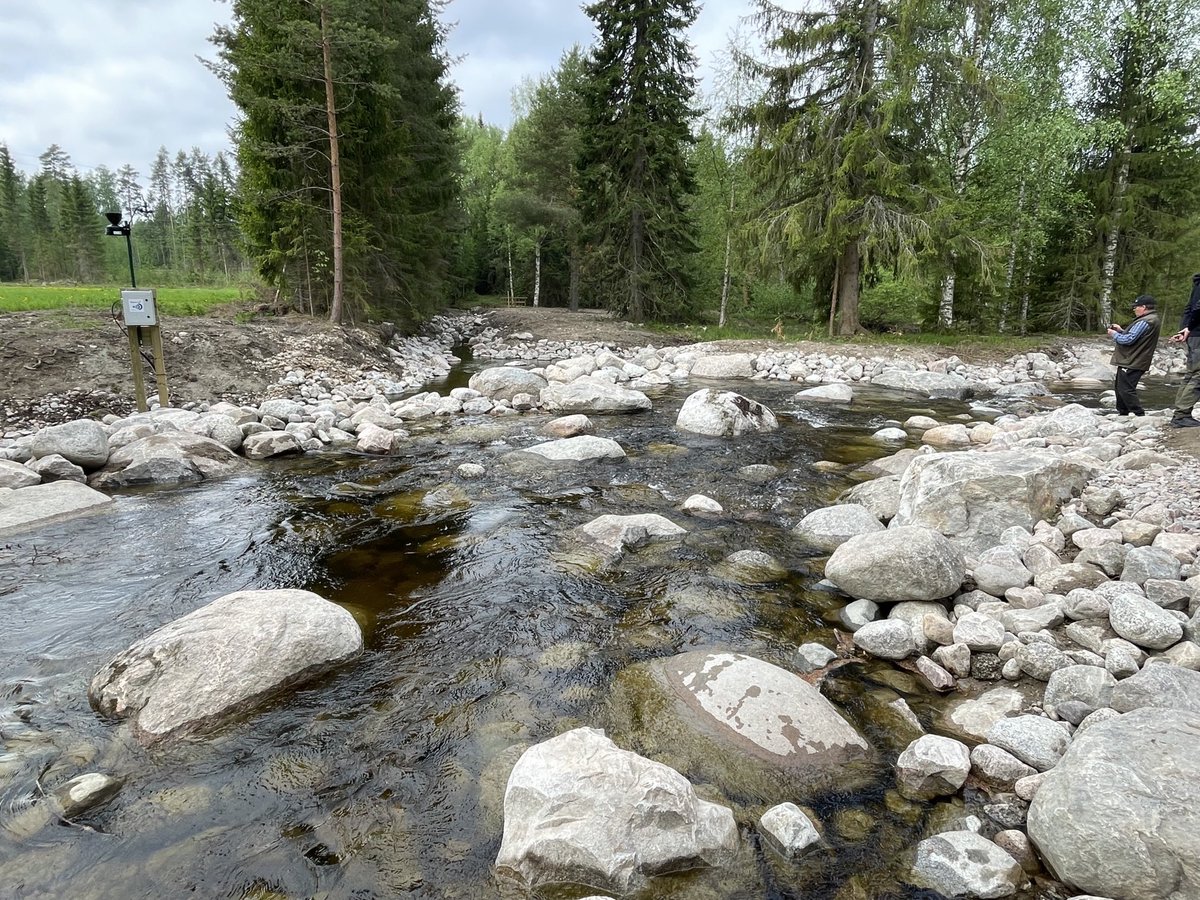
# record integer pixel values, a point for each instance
(889, 165)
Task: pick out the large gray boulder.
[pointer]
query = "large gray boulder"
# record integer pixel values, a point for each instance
(221, 658)
(926, 384)
(749, 727)
(897, 564)
(171, 457)
(724, 414)
(43, 504)
(83, 442)
(723, 365)
(831, 526)
(591, 395)
(505, 382)
(1119, 816)
(579, 810)
(1160, 686)
(880, 495)
(932, 766)
(14, 475)
(972, 498)
(1144, 622)
(581, 448)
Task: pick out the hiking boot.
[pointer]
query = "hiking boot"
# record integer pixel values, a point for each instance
(1185, 422)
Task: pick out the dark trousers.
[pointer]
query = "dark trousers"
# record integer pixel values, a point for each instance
(1126, 388)
(1189, 388)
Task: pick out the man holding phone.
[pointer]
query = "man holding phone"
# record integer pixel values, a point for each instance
(1134, 352)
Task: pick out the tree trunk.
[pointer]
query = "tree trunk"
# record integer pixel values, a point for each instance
(1010, 270)
(636, 239)
(573, 288)
(946, 306)
(512, 294)
(728, 253)
(537, 272)
(335, 173)
(847, 276)
(1114, 234)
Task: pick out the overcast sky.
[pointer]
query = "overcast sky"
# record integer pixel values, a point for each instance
(111, 80)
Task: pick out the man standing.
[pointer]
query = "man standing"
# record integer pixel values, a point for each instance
(1133, 353)
(1189, 331)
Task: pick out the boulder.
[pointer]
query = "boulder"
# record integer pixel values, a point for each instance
(1159, 687)
(897, 564)
(568, 426)
(972, 498)
(1119, 816)
(724, 414)
(505, 382)
(723, 365)
(973, 717)
(1143, 622)
(1089, 686)
(579, 810)
(1034, 740)
(887, 639)
(167, 458)
(747, 726)
(83, 442)
(932, 766)
(221, 658)
(591, 395)
(879, 495)
(925, 384)
(999, 569)
(831, 526)
(826, 393)
(271, 444)
(618, 533)
(582, 448)
(15, 475)
(790, 830)
(43, 504)
(966, 864)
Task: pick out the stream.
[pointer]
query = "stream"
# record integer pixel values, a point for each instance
(386, 777)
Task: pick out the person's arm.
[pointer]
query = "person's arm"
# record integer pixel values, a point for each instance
(1128, 337)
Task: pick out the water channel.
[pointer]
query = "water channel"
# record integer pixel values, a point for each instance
(386, 778)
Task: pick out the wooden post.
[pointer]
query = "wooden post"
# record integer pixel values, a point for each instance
(160, 365)
(135, 355)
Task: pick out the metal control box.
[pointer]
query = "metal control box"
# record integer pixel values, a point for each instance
(139, 308)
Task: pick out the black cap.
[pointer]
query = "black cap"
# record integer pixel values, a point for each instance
(1196, 278)
(1145, 300)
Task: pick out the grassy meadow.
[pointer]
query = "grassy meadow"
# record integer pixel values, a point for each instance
(172, 301)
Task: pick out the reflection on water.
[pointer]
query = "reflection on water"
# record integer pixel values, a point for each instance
(387, 776)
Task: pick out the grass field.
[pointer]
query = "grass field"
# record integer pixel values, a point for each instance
(172, 301)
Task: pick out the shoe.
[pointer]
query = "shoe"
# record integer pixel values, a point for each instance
(1185, 422)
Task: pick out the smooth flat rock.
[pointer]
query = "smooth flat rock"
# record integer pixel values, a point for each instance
(43, 504)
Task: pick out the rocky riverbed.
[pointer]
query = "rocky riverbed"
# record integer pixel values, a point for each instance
(1024, 570)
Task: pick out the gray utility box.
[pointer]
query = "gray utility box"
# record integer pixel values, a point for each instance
(139, 308)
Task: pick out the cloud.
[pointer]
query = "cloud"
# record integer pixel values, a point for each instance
(110, 81)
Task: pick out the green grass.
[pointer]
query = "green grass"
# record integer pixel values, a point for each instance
(172, 301)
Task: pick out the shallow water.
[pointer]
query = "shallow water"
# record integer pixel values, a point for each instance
(386, 777)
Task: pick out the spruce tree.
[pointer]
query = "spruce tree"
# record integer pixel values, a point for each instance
(634, 172)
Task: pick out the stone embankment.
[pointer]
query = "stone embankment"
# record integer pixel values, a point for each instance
(1038, 567)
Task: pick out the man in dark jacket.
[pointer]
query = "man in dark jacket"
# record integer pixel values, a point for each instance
(1189, 331)
(1134, 352)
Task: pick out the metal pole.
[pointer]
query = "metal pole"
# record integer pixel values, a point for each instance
(129, 247)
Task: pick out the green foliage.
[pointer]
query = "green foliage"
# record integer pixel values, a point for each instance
(396, 138)
(635, 177)
(895, 304)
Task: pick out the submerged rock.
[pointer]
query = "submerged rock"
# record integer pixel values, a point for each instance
(748, 726)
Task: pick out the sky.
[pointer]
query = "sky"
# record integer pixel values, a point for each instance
(110, 81)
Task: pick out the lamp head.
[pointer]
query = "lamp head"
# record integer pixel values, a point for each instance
(114, 218)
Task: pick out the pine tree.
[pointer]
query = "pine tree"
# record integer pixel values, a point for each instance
(837, 159)
(634, 172)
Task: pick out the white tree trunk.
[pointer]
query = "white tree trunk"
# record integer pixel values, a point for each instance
(1114, 235)
(725, 281)
(537, 272)
(335, 173)
(946, 306)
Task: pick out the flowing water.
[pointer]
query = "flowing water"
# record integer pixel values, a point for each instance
(386, 778)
